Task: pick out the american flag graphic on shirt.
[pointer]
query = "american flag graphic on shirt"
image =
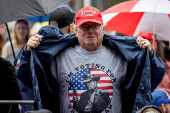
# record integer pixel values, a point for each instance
(105, 83)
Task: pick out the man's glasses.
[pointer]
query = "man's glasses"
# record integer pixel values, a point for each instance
(93, 26)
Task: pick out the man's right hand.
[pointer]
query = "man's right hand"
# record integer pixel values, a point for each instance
(34, 41)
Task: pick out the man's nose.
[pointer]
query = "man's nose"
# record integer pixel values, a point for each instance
(90, 28)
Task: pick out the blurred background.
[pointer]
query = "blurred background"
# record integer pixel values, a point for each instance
(161, 44)
(118, 20)
(74, 5)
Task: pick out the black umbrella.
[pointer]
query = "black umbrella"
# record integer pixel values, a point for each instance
(11, 10)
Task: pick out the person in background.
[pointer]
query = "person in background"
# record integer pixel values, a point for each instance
(150, 109)
(165, 84)
(64, 19)
(3, 32)
(2, 40)
(8, 87)
(161, 99)
(20, 38)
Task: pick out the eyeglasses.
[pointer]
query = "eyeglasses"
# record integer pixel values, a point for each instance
(93, 26)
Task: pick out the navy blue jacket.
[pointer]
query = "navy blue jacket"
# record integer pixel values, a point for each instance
(142, 77)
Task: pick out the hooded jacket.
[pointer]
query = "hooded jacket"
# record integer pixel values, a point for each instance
(144, 69)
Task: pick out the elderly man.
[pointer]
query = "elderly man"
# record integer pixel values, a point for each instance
(133, 70)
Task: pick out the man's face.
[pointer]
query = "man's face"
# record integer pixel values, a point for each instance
(91, 85)
(90, 38)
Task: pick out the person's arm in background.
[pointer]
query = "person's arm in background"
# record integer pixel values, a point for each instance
(157, 65)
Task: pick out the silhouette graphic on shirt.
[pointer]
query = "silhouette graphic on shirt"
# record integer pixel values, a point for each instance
(94, 100)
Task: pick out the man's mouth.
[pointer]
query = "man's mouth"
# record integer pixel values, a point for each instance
(90, 37)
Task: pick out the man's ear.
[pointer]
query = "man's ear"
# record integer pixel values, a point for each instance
(76, 31)
(53, 23)
(69, 28)
(162, 107)
(103, 29)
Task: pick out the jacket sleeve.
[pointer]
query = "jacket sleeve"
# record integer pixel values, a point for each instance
(157, 70)
(22, 62)
(23, 67)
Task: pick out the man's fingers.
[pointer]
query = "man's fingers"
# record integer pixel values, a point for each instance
(31, 45)
(143, 43)
(146, 44)
(34, 41)
(39, 37)
(138, 39)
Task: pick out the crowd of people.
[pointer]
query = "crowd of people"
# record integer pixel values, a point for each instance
(72, 66)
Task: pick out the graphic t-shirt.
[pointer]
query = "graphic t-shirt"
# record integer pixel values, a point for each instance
(89, 81)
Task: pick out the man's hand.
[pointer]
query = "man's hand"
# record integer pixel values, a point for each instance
(143, 43)
(34, 41)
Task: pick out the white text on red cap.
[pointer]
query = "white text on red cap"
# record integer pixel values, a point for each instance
(84, 11)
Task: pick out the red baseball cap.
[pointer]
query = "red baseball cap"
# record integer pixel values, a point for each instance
(88, 14)
(146, 35)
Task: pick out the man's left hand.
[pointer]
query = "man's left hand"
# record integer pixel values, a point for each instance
(143, 43)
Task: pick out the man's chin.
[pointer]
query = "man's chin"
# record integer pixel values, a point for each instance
(91, 43)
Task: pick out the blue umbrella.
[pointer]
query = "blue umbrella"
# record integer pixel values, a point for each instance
(46, 17)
